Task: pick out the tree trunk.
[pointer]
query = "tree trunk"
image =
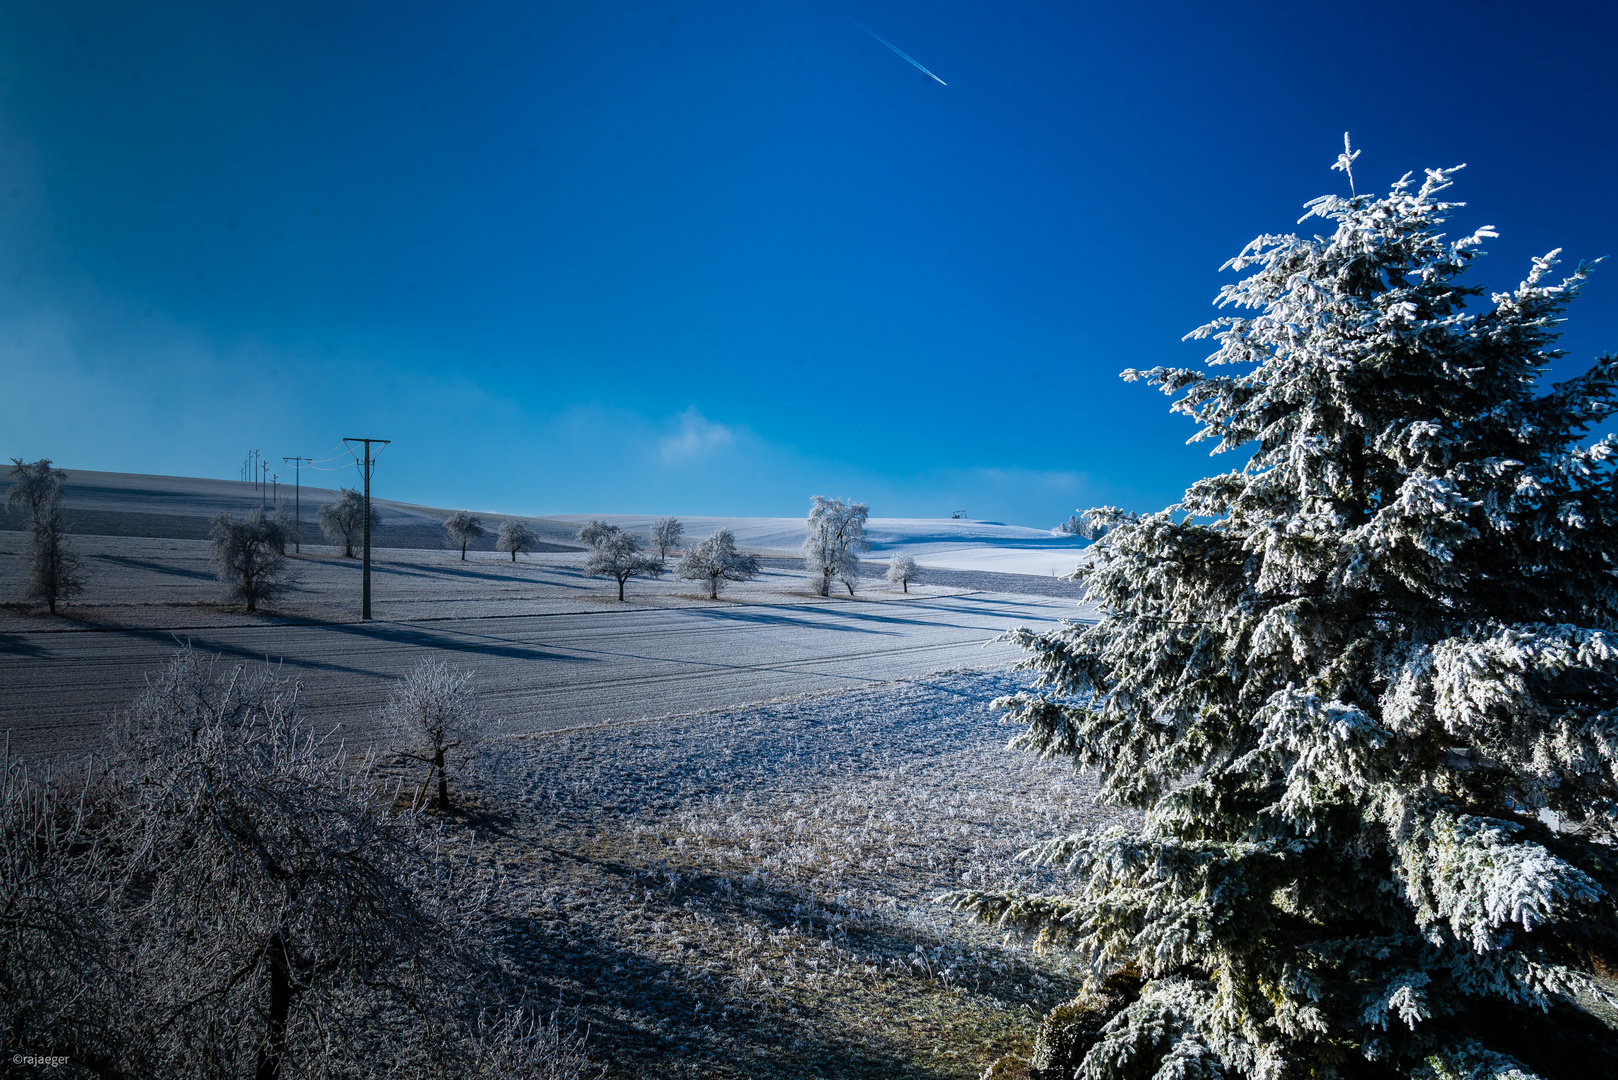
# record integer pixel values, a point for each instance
(463, 550)
(621, 589)
(513, 554)
(274, 1046)
(443, 779)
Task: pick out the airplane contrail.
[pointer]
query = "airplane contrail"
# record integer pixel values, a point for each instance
(898, 50)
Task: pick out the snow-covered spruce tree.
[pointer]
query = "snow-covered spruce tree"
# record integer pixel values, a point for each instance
(716, 560)
(463, 527)
(1341, 680)
(835, 535)
(515, 536)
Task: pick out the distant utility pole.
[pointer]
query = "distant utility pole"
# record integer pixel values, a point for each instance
(263, 479)
(275, 489)
(365, 463)
(297, 464)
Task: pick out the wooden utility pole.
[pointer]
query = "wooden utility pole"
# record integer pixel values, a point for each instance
(297, 464)
(365, 464)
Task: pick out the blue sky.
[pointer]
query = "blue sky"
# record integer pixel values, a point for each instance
(713, 259)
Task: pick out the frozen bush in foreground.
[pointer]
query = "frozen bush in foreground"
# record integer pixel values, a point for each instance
(225, 896)
(1341, 681)
(716, 561)
(436, 719)
(53, 964)
(515, 536)
(249, 556)
(521, 1045)
(902, 570)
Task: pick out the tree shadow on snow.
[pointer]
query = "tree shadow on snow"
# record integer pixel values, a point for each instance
(157, 567)
(462, 643)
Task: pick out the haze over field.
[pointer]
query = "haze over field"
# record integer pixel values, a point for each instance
(641, 258)
(171, 506)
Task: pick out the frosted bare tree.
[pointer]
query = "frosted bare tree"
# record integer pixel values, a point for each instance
(463, 528)
(222, 898)
(249, 557)
(836, 535)
(343, 519)
(34, 486)
(666, 533)
(902, 570)
(515, 536)
(222, 895)
(54, 570)
(616, 553)
(287, 529)
(716, 561)
(53, 963)
(435, 719)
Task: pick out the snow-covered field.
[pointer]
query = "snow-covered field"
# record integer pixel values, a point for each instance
(749, 893)
(944, 543)
(552, 647)
(719, 826)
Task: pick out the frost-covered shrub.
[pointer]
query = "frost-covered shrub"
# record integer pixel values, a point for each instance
(1342, 679)
(436, 720)
(222, 894)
